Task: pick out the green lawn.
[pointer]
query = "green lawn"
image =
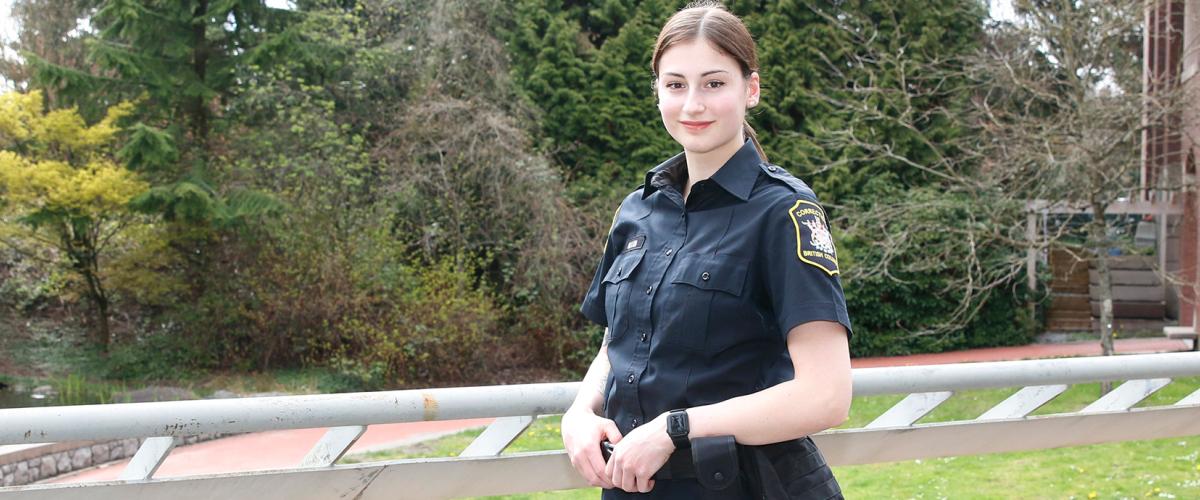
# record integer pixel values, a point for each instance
(1165, 468)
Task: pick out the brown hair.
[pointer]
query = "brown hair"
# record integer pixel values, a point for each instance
(709, 20)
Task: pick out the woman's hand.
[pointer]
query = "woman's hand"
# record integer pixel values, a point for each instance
(642, 453)
(582, 432)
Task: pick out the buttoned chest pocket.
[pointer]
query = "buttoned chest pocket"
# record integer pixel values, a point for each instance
(705, 291)
(616, 290)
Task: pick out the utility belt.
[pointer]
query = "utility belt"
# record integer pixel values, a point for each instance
(792, 469)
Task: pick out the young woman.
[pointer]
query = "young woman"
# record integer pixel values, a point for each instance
(719, 289)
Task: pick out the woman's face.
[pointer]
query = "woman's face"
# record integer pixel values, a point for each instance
(703, 96)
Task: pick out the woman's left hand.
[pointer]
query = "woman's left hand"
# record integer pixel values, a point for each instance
(639, 455)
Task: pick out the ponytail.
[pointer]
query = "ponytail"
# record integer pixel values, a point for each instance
(749, 132)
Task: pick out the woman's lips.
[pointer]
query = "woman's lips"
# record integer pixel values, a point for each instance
(695, 125)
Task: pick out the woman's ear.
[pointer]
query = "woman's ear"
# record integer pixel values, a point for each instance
(752, 90)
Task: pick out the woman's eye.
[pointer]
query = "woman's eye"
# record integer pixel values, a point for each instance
(674, 85)
(714, 84)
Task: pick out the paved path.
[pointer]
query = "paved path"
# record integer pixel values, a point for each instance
(1032, 351)
(272, 450)
(280, 449)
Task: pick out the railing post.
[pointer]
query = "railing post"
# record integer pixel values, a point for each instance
(149, 457)
(497, 436)
(333, 445)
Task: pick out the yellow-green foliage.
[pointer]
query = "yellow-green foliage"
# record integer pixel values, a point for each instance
(62, 193)
(54, 162)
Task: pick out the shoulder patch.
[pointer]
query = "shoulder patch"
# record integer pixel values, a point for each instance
(814, 244)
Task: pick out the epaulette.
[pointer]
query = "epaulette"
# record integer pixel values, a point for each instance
(780, 174)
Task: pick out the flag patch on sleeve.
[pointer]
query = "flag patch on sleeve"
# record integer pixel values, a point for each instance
(814, 244)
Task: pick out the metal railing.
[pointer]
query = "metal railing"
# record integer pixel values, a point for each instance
(482, 470)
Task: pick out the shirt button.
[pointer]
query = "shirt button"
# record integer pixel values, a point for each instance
(771, 168)
(630, 379)
(649, 289)
(718, 476)
(635, 424)
(643, 336)
(670, 251)
(704, 276)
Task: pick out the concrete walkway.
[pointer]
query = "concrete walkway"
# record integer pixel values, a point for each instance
(281, 449)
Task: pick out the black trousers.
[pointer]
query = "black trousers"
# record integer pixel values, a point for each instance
(781, 471)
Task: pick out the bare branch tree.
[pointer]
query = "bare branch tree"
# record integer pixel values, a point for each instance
(1050, 109)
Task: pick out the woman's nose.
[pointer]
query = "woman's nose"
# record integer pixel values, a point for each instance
(694, 104)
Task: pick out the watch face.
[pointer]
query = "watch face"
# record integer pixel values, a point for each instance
(675, 424)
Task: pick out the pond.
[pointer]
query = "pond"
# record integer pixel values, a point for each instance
(12, 399)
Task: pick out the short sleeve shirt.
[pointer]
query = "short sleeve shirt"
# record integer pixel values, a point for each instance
(699, 297)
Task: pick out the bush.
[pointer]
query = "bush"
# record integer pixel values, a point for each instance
(438, 330)
(923, 275)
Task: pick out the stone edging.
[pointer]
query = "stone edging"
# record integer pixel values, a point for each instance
(39, 463)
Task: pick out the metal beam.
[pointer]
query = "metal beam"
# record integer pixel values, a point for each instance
(333, 445)
(1023, 402)
(1126, 395)
(150, 455)
(852, 446)
(551, 470)
(1190, 399)
(183, 418)
(962, 376)
(910, 409)
(497, 436)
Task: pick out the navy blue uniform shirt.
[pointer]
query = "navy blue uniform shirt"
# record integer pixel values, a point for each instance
(699, 297)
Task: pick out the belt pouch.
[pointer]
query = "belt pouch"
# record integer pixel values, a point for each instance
(716, 461)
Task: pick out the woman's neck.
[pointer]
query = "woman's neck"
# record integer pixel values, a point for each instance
(701, 166)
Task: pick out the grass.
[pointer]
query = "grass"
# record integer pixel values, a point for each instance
(1163, 468)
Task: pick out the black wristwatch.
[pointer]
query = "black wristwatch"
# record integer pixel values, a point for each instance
(678, 429)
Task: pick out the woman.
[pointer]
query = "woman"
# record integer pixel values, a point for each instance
(720, 295)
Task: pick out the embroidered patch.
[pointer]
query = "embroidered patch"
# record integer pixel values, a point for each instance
(814, 244)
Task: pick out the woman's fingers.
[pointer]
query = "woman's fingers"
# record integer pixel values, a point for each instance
(613, 471)
(596, 467)
(611, 431)
(645, 484)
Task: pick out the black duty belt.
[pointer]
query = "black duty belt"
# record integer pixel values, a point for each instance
(715, 463)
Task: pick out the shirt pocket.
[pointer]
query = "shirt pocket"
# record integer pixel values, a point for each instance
(616, 290)
(702, 285)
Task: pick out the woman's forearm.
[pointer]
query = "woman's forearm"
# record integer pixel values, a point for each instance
(816, 399)
(786, 411)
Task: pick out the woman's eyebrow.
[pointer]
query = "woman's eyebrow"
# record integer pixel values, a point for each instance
(702, 75)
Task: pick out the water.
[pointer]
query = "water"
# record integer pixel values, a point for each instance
(10, 399)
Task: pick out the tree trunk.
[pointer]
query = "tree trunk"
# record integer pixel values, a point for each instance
(80, 244)
(1099, 249)
(197, 106)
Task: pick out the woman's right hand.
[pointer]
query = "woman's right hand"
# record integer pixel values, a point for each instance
(582, 432)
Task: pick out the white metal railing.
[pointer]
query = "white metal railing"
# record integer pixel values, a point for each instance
(481, 470)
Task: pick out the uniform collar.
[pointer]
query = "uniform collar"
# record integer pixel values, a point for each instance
(737, 176)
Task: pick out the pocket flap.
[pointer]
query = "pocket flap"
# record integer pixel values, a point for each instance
(716, 461)
(624, 265)
(711, 272)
